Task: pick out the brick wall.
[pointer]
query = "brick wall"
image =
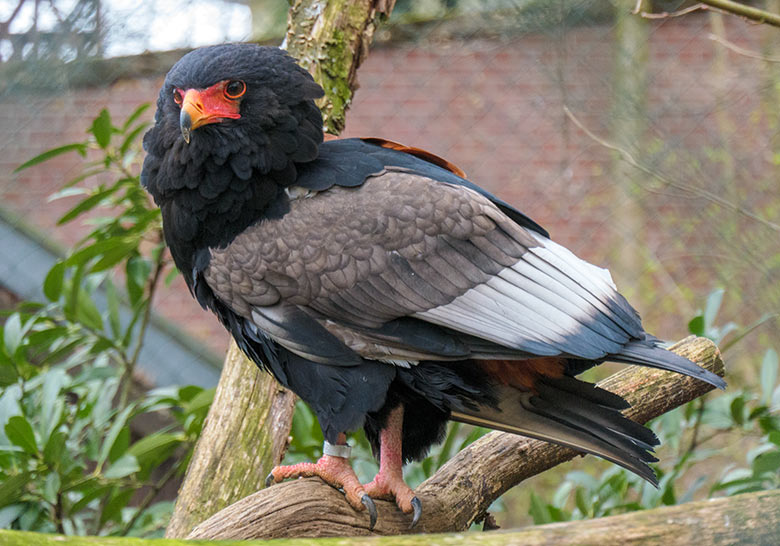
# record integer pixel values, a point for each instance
(495, 108)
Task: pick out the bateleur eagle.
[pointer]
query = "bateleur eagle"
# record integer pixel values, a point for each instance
(377, 283)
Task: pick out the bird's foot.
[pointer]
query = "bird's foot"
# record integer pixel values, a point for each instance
(336, 472)
(391, 486)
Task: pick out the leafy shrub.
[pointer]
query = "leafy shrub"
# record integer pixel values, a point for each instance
(68, 459)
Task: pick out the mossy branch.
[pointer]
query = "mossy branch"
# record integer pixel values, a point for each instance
(750, 518)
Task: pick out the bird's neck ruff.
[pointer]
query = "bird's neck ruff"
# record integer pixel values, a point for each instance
(206, 200)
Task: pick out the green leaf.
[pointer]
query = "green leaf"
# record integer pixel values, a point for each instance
(83, 255)
(54, 448)
(116, 427)
(121, 444)
(135, 115)
(124, 466)
(155, 446)
(768, 375)
(102, 129)
(738, 410)
(20, 433)
(9, 514)
(86, 205)
(13, 333)
(112, 300)
(12, 488)
(91, 490)
(51, 402)
(52, 285)
(8, 373)
(131, 137)
(51, 486)
(767, 462)
(111, 257)
(538, 510)
(80, 147)
(582, 502)
(113, 507)
(138, 270)
(696, 326)
(87, 312)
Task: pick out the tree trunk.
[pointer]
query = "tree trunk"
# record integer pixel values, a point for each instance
(247, 427)
(628, 121)
(244, 437)
(462, 490)
(331, 39)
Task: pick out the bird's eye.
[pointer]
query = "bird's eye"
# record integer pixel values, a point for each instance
(178, 98)
(235, 89)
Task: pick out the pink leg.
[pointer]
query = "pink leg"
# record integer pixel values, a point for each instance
(336, 472)
(389, 482)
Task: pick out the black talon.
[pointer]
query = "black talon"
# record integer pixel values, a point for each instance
(269, 479)
(368, 502)
(417, 505)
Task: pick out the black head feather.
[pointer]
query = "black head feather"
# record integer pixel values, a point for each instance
(221, 182)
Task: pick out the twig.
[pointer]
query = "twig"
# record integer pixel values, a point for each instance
(144, 504)
(742, 51)
(666, 14)
(699, 192)
(129, 364)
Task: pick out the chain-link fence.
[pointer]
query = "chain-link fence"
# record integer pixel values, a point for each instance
(646, 144)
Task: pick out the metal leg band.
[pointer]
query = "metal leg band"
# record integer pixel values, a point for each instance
(336, 450)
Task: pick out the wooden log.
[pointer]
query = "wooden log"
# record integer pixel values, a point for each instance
(249, 422)
(750, 518)
(463, 489)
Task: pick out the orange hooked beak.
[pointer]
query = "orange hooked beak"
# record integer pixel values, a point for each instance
(203, 106)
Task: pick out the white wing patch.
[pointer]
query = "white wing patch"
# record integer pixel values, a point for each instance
(549, 302)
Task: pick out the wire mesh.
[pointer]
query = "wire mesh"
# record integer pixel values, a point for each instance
(663, 168)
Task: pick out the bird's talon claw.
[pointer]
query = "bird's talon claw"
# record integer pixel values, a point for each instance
(417, 506)
(269, 480)
(368, 502)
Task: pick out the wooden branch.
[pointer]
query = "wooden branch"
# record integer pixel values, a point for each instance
(742, 10)
(750, 518)
(244, 437)
(463, 489)
(248, 425)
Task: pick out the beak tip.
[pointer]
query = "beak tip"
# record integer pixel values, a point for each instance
(185, 125)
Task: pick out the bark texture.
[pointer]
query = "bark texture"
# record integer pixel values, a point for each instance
(244, 437)
(462, 490)
(248, 425)
(331, 39)
(750, 518)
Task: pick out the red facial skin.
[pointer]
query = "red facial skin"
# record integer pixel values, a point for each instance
(211, 105)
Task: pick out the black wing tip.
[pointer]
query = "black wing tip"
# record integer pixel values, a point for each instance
(649, 352)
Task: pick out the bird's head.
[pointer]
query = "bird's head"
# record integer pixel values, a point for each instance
(244, 106)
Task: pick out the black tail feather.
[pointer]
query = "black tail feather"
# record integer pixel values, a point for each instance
(592, 422)
(649, 353)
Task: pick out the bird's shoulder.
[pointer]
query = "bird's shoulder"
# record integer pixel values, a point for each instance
(350, 162)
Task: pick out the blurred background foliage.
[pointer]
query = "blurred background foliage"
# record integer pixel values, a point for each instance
(667, 173)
